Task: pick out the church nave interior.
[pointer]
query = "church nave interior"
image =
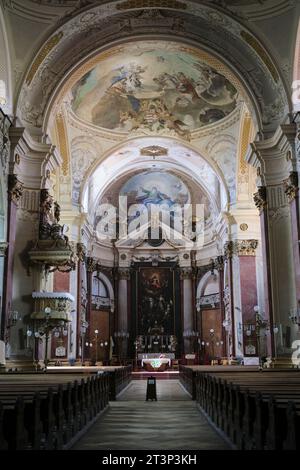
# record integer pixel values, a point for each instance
(149, 224)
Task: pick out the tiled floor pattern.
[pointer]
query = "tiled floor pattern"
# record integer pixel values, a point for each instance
(131, 423)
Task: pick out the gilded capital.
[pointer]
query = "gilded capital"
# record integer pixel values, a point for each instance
(15, 188)
(81, 252)
(260, 198)
(291, 187)
(186, 273)
(245, 247)
(91, 264)
(219, 263)
(124, 273)
(228, 249)
(3, 248)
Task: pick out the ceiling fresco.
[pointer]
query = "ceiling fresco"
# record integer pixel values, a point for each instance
(156, 187)
(153, 85)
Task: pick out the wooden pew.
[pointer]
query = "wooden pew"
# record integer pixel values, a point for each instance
(253, 408)
(42, 412)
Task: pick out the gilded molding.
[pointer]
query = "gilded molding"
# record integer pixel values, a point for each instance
(15, 188)
(47, 48)
(63, 143)
(291, 187)
(260, 198)
(261, 53)
(154, 151)
(245, 140)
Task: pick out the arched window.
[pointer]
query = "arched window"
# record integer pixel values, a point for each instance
(99, 288)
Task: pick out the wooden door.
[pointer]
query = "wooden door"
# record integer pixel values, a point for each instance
(211, 319)
(99, 320)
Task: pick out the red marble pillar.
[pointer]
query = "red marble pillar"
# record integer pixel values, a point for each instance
(220, 267)
(91, 265)
(260, 200)
(228, 255)
(248, 286)
(15, 189)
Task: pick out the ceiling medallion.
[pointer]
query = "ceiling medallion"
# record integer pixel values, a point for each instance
(154, 151)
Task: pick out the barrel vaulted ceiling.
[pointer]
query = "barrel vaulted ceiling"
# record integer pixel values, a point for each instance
(100, 78)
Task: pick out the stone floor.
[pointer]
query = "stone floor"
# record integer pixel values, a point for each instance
(171, 422)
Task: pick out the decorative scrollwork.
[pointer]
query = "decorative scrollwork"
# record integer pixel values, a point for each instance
(291, 187)
(260, 198)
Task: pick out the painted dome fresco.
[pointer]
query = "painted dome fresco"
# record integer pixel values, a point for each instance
(153, 85)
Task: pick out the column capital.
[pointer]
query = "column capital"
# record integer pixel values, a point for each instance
(81, 252)
(3, 248)
(186, 273)
(245, 247)
(275, 157)
(240, 248)
(91, 264)
(15, 188)
(291, 186)
(228, 249)
(124, 274)
(219, 263)
(260, 198)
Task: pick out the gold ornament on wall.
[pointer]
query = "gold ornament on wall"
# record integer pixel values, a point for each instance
(46, 49)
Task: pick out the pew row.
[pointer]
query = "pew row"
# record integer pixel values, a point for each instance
(256, 410)
(42, 412)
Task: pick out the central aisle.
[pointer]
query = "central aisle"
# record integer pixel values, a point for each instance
(131, 423)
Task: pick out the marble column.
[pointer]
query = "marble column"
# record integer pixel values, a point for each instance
(229, 299)
(219, 263)
(260, 199)
(90, 268)
(81, 302)
(188, 309)
(123, 323)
